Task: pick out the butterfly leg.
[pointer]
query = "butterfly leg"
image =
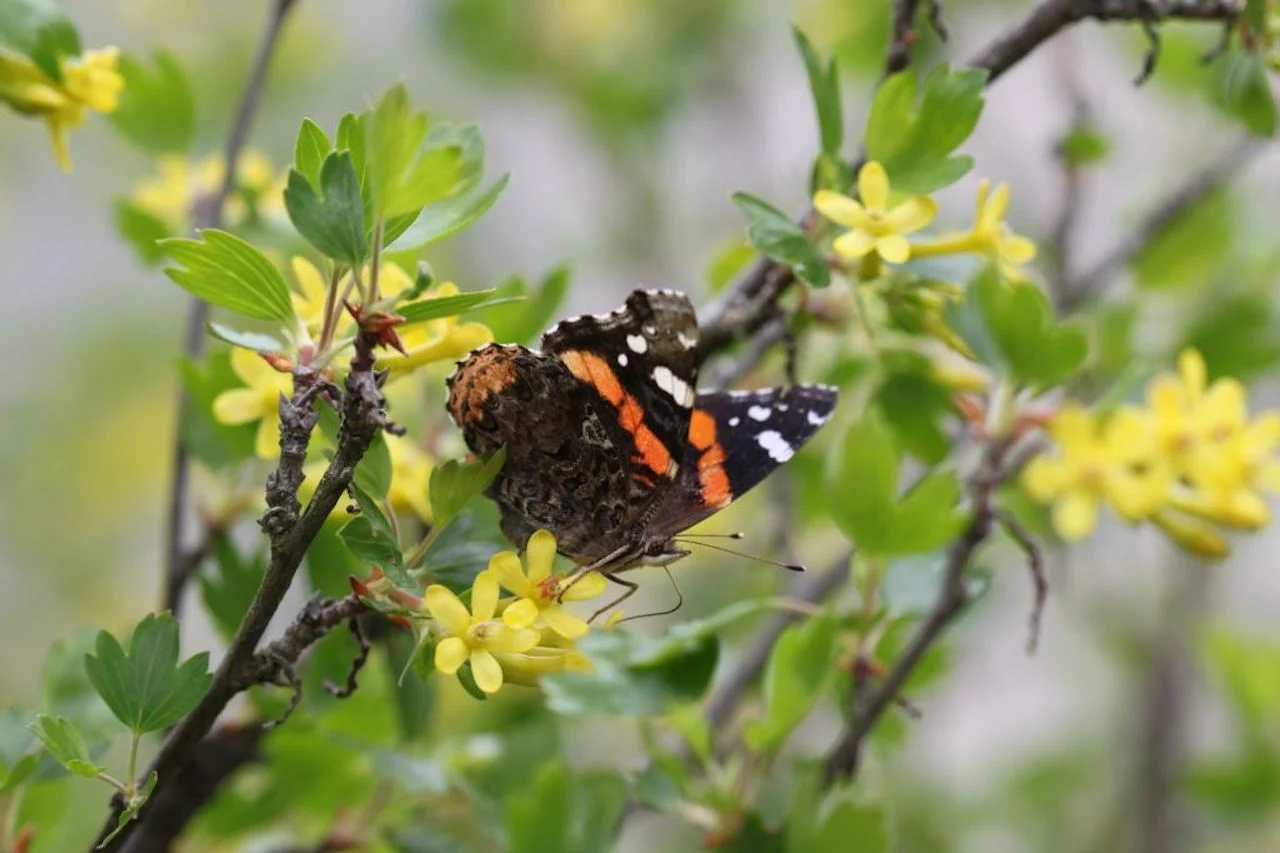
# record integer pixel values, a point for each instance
(581, 572)
(631, 590)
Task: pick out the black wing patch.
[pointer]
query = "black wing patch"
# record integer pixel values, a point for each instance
(736, 439)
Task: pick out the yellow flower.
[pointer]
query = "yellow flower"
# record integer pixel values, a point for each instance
(527, 667)
(260, 401)
(475, 636)
(1114, 462)
(435, 340)
(538, 593)
(410, 476)
(995, 238)
(309, 298)
(178, 183)
(89, 81)
(874, 225)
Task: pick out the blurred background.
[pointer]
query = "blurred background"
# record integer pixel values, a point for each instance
(626, 125)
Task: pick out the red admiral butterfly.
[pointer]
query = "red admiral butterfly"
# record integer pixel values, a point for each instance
(609, 446)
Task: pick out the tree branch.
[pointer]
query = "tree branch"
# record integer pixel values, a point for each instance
(742, 309)
(291, 531)
(180, 564)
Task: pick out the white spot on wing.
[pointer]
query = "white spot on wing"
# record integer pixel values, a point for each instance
(758, 413)
(676, 387)
(622, 359)
(637, 343)
(817, 419)
(734, 421)
(782, 407)
(649, 330)
(775, 445)
(686, 341)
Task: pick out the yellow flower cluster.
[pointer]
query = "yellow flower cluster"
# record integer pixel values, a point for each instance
(89, 81)
(1191, 461)
(517, 638)
(170, 194)
(878, 229)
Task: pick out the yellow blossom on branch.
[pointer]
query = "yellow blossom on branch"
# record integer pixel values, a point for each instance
(89, 81)
(410, 477)
(990, 236)
(444, 339)
(179, 182)
(474, 636)
(539, 592)
(873, 225)
(260, 401)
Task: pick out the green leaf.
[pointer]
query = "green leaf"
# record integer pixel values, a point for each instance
(142, 230)
(925, 518)
(146, 688)
(866, 478)
(376, 547)
(225, 271)
(228, 594)
(824, 83)
(1083, 145)
(19, 757)
(521, 322)
(157, 109)
(404, 172)
(38, 29)
(798, 667)
(911, 583)
(333, 221)
(454, 484)
(1243, 90)
(256, 341)
(916, 406)
(914, 144)
(776, 235)
(539, 820)
(1236, 334)
(373, 474)
(1018, 315)
(448, 217)
(310, 151)
(850, 820)
(64, 743)
(1190, 250)
(444, 306)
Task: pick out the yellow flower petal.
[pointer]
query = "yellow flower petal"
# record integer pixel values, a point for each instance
(511, 641)
(854, 244)
(506, 569)
(1016, 249)
(873, 186)
(1192, 370)
(447, 609)
(1074, 515)
(840, 209)
(997, 206)
(266, 444)
(894, 248)
(520, 614)
(540, 555)
(484, 597)
(486, 670)
(1044, 478)
(913, 214)
(564, 623)
(238, 406)
(451, 653)
(587, 586)
(250, 367)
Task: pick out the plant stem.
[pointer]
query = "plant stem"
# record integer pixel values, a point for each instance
(131, 770)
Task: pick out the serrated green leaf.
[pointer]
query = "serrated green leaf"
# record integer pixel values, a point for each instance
(455, 484)
(142, 230)
(333, 221)
(865, 478)
(256, 341)
(406, 171)
(798, 667)
(310, 151)
(521, 322)
(444, 218)
(1243, 90)
(776, 235)
(146, 688)
(228, 272)
(925, 518)
(157, 110)
(437, 307)
(824, 84)
(1039, 351)
(376, 547)
(64, 743)
(373, 474)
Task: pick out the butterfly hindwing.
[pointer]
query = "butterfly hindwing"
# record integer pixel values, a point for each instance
(736, 439)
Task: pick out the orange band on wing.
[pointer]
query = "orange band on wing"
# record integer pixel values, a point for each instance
(713, 482)
(596, 372)
(702, 429)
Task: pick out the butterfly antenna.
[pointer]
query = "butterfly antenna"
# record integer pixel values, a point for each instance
(679, 602)
(791, 567)
(738, 535)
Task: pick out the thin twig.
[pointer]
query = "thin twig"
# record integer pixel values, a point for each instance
(1219, 171)
(344, 691)
(207, 213)
(1035, 564)
(1062, 234)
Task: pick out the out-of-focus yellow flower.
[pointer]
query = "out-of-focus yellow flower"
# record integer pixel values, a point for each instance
(410, 477)
(309, 297)
(538, 592)
(445, 339)
(474, 636)
(874, 226)
(178, 183)
(89, 81)
(1112, 462)
(990, 236)
(527, 667)
(260, 401)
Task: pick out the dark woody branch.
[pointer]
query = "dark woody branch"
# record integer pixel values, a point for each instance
(750, 304)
